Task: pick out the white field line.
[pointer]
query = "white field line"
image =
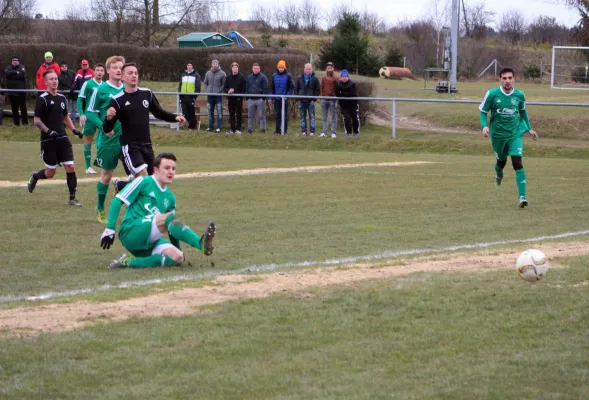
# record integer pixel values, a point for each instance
(271, 267)
(552, 178)
(240, 172)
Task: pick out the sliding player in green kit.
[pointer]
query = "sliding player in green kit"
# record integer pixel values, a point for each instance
(151, 213)
(509, 122)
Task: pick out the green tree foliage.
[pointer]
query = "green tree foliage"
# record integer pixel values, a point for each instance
(350, 47)
(394, 57)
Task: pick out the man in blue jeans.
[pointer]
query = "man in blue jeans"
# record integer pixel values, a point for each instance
(214, 83)
(281, 84)
(307, 85)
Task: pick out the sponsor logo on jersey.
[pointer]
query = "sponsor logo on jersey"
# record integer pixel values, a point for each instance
(507, 111)
(63, 106)
(153, 210)
(145, 104)
(152, 194)
(166, 203)
(513, 102)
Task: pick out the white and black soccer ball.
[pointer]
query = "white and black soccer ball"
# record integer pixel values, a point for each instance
(532, 265)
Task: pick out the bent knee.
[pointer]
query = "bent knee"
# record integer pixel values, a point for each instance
(517, 163)
(69, 168)
(175, 254)
(49, 173)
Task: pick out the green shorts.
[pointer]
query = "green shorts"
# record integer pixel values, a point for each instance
(107, 157)
(508, 147)
(142, 238)
(91, 125)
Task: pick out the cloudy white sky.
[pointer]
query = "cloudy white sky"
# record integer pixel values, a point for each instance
(393, 10)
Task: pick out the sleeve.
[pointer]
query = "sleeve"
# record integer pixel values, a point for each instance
(322, 86)
(354, 92)
(81, 102)
(206, 82)
(180, 83)
(243, 85)
(109, 125)
(289, 85)
(159, 112)
(272, 85)
(67, 107)
(197, 85)
(226, 86)
(10, 73)
(83, 90)
(487, 102)
(266, 89)
(317, 89)
(39, 107)
(113, 213)
(483, 119)
(296, 88)
(223, 80)
(39, 78)
(130, 193)
(523, 113)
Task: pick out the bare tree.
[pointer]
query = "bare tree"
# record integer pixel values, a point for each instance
(439, 16)
(512, 26)
(372, 22)
(261, 13)
(545, 29)
(14, 15)
(479, 18)
(420, 48)
(291, 17)
(337, 14)
(310, 16)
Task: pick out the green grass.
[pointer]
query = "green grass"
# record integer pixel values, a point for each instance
(287, 218)
(424, 336)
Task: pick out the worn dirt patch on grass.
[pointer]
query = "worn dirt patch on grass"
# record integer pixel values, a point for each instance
(63, 317)
(239, 172)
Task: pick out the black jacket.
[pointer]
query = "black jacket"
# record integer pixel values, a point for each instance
(257, 84)
(235, 82)
(313, 88)
(347, 89)
(16, 78)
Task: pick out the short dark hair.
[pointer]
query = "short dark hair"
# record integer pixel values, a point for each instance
(99, 65)
(506, 70)
(49, 71)
(127, 65)
(168, 156)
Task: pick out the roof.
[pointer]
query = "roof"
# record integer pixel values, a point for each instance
(199, 36)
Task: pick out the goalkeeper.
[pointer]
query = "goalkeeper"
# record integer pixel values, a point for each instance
(509, 122)
(151, 213)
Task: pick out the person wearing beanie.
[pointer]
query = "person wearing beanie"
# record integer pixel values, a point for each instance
(307, 85)
(328, 106)
(47, 64)
(350, 108)
(16, 79)
(214, 83)
(189, 84)
(235, 84)
(281, 83)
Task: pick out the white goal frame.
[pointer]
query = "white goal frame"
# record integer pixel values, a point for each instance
(554, 48)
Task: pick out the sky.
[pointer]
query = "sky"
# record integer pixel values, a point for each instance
(394, 11)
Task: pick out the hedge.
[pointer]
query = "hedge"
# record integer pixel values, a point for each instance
(164, 64)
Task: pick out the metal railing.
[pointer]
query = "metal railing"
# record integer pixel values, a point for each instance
(393, 100)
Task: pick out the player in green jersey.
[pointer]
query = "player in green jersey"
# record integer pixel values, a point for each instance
(89, 121)
(509, 122)
(108, 145)
(151, 213)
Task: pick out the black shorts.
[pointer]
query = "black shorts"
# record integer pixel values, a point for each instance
(57, 152)
(138, 157)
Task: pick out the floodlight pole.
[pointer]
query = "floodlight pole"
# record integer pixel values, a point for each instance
(454, 46)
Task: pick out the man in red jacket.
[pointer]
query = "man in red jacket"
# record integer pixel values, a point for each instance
(47, 65)
(85, 73)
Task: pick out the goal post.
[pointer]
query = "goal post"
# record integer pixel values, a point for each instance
(570, 70)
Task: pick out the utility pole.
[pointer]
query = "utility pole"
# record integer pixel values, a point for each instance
(454, 46)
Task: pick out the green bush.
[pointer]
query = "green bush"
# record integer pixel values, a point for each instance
(532, 71)
(154, 64)
(579, 75)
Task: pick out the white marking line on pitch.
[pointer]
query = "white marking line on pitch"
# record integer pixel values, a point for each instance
(241, 172)
(272, 267)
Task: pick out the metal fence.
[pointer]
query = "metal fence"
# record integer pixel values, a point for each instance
(392, 100)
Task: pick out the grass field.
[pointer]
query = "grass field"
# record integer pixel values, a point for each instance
(451, 333)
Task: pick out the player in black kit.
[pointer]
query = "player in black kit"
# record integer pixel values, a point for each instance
(50, 116)
(132, 107)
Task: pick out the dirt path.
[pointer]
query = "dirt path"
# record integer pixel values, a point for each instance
(63, 317)
(239, 172)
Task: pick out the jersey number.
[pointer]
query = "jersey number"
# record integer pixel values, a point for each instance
(99, 162)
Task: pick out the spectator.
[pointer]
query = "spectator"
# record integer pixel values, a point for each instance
(257, 83)
(328, 85)
(66, 79)
(281, 84)
(307, 85)
(48, 64)
(190, 84)
(84, 74)
(235, 84)
(16, 79)
(350, 108)
(214, 83)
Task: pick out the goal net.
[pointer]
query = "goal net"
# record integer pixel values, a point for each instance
(570, 68)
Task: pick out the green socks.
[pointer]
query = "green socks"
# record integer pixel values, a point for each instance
(102, 190)
(498, 170)
(180, 231)
(157, 260)
(88, 155)
(520, 179)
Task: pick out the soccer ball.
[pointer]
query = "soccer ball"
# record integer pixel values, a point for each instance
(532, 265)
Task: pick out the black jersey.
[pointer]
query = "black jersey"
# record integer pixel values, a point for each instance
(51, 110)
(133, 112)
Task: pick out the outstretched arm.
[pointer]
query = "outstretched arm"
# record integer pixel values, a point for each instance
(108, 236)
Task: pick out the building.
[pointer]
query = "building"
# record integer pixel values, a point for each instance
(204, 39)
